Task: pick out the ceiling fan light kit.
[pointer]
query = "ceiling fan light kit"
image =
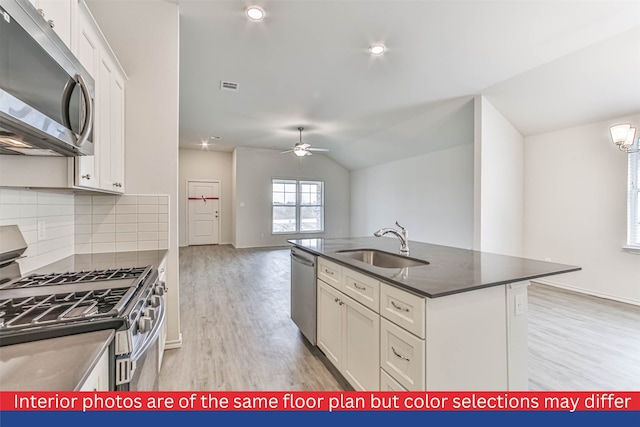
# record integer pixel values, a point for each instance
(302, 149)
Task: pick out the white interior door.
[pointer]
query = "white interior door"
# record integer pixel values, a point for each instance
(203, 212)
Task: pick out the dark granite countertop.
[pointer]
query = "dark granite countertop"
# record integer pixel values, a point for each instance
(450, 270)
(106, 260)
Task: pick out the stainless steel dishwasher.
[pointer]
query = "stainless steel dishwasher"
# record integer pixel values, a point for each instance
(303, 292)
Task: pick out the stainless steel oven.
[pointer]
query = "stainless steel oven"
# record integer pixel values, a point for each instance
(128, 300)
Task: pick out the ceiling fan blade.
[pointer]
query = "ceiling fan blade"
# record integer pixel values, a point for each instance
(285, 152)
(317, 149)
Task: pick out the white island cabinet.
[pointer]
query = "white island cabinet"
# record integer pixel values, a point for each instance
(383, 337)
(348, 331)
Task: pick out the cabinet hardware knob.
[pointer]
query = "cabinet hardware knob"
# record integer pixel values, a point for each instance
(397, 307)
(341, 303)
(399, 355)
(362, 288)
(337, 299)
(87, 176)
(41, 12)
(51, 23)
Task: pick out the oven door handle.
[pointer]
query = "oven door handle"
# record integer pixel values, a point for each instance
(153, 334)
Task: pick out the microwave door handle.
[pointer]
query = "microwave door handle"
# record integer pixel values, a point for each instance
(88, 119)
(66, 102)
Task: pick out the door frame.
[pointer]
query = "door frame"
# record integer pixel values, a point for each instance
(210, 181)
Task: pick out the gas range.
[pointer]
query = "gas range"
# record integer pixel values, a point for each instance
(51, 305)
(128, 300)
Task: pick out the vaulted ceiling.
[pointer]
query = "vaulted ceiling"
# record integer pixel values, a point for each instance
(545, 65)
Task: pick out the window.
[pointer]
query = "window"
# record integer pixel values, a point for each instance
(297, 206)
(633, 233)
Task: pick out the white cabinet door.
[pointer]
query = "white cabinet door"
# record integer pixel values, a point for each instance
(329, 329)
(98, 379)
(361, 344)
(88, 53)
(105, 169)
(110, 124)
(349, 335)
(102, 130)
(117, 132)
(57, 13)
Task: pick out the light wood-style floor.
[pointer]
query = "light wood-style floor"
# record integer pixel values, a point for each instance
(237, 334)
(236, 329)
(581, 342)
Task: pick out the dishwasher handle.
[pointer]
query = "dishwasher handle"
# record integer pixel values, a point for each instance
(302, 260)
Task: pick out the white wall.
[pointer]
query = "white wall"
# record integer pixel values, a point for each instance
(207, 166)
(145, 37)
(575, 199)
(254, 170)
(498, 194)
(431, 195)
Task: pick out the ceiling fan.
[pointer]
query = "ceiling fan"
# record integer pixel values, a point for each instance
(302, 149)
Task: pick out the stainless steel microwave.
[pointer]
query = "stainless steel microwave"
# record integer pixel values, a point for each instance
(46, 96)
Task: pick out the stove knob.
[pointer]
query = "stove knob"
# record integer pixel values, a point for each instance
(155, 300)
(144, 324)
(151, 313)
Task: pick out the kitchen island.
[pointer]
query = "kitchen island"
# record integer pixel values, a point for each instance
(446, 319)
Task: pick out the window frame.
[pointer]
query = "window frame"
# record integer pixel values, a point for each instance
(633, 199)
(298, 205)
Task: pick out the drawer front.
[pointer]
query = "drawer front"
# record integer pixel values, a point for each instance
(364, 289)
(402, 355)
(403, 309)
(330, 272)
(387, 383)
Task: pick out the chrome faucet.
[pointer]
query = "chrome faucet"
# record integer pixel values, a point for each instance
(402, 235)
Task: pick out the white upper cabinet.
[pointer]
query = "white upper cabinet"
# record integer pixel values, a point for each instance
(59, 16)
(104, 170)
(87, 49)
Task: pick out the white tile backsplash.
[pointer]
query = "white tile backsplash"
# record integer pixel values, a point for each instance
(122, 223)
(26, 208)
(82, 223)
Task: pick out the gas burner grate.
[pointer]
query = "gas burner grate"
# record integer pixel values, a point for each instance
(76, 277)
(56, 308)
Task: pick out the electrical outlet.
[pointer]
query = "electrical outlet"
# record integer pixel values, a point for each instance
(42, 230)
(519, 305)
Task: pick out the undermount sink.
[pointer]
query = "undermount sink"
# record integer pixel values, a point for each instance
(381, 259)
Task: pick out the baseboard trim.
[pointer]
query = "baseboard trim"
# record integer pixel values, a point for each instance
(587, 292)
(170, 345)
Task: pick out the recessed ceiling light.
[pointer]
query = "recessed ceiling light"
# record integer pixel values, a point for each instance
(216, 137)
(377, 49)
(255, 13)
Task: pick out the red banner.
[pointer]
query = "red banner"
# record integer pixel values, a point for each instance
(321, 401)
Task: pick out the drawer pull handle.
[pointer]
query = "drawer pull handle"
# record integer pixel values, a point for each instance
(362, 288)
(328, 272)
(397, 307)
(399, 355)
